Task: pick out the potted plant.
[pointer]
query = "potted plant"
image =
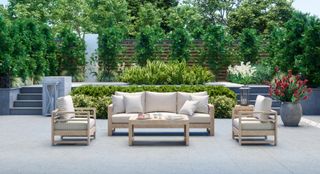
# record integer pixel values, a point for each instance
(290, 90)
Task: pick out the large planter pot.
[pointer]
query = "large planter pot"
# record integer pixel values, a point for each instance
(290, 113)
(312, 105)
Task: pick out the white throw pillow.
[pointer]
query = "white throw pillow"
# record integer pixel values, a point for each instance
(182, 97)
(133, 103)
(161, 102)
(65, 104)
(134, 93)
(203, 103)
(118, 104)
(263, 104)
(189, 107)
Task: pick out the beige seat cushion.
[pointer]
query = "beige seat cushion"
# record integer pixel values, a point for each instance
(199, 118)
(182, 97)
(253, 125)
(161, 102)
(122, 118)
(75, 125)
(65, 104)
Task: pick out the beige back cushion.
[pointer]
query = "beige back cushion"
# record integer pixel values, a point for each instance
(202, 106)
(118, 104)
(263, 104)
(65, 104)
(143, 95)
(184, 96)
(133, 103)
(161, 102)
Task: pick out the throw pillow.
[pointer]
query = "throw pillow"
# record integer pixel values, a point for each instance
(263, 104)
(203, 103)
(65, 104)
(118, 104)
(134, 93)
(182, 97)
(189, 107)
(133, 103)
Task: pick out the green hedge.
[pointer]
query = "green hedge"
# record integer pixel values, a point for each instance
(100, 96)
(171, 73)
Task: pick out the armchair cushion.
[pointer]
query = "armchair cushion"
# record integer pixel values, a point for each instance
(65, 104)
(253, 124)
(263, 104)
(133, 103)
(189, 107)
(161, 102)
(74, 125)
(182, 97)
(202, 106)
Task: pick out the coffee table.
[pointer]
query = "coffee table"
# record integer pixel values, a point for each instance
(159, 121)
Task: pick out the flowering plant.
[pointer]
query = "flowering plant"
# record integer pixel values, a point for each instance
(289, 88)
(242, 73)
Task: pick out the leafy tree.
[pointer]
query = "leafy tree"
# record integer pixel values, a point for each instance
(216, 11)
(7, 61)
(39, 10)
(249, 45)
(216, 43)
(109, 42)
(50, 51)
(180, 44)
(149, 33)
(70, 54)
(260, 15)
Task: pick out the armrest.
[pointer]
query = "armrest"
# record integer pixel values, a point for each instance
(211, 110)
(110, 108)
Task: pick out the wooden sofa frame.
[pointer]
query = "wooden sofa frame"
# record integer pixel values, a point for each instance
(88, 113)
(210, 126)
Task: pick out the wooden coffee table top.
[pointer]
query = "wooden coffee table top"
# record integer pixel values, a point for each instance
(160, 119)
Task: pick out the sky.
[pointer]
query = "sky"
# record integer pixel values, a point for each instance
(307, 6)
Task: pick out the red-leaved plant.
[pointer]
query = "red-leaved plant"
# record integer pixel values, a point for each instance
(289, 88)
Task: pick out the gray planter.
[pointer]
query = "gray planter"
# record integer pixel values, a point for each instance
(290, 113)
(312, 105)
(7, 96)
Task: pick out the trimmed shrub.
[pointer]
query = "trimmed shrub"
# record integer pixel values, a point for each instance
(100, 96)
(223, 106)
(100, 103)
(160, 73)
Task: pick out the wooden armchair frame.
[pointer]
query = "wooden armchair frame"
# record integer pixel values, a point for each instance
(81, 114)
(245, 115)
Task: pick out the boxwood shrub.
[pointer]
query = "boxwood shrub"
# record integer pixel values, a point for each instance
(100, 96)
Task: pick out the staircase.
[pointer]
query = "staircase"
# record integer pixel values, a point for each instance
(29, 102)
(258, 90)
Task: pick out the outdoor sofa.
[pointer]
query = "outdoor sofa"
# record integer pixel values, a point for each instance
(125, 105)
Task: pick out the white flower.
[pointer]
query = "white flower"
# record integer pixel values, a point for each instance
(243, 70)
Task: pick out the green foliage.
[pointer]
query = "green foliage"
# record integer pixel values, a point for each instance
(99, 96)
(260, 15)
(149, 33)
(264, 74)
(50, 52)
(180, 44)
(7, 61)
(109, 42)
(172, 73)
(296, 47)
(223, 106)
(214, 11)
(100, 103)
(249, 45)
(217, 45)
(71, 54)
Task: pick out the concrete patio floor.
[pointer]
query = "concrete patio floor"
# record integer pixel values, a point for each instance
(25, 148)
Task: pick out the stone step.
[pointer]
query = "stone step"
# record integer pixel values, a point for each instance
(26, 111)
(31, 90)
(255, 89)
(253, 96)
(27, 103)
(30, 96)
